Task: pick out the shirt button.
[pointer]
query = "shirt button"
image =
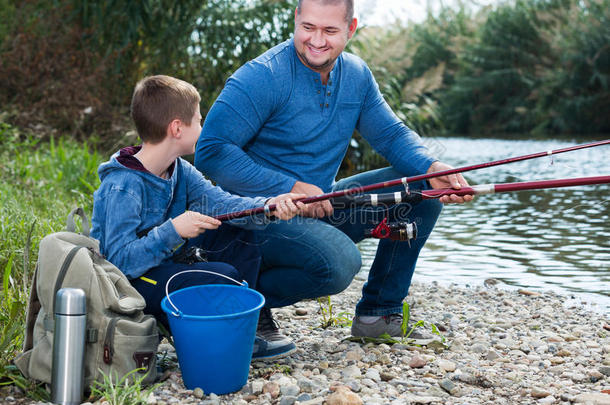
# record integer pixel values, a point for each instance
(318, 91)
(328, 94)
(326, 105)
(321, 105)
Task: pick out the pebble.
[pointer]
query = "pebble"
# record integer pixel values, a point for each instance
(373, 374)
(502, 347)
(256, 387)
(343, 396)
(198, 393)
(447, 366)
(287, 400)
(592, 398)
(417, 362)
(449, 386)
(539, 393)
(385, 376)
(272, 389)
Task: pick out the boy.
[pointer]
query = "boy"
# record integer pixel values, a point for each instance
(151, 202)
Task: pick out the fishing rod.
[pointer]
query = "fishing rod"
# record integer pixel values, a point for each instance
(406, 180)
(405, 231)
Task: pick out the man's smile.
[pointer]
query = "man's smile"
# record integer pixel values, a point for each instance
(317, 51)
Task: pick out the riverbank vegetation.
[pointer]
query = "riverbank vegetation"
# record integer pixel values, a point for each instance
(39, 184)
(537, 66)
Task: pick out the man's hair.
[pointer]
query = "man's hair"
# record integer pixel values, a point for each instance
(349, 7)
(157, 101)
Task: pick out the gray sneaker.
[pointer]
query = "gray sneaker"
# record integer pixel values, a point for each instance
(390, 324)
(269, 343)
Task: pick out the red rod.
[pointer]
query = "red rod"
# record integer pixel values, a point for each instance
(406, 180)
(508, 187)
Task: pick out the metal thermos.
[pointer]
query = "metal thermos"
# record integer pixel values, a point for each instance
(69, 346)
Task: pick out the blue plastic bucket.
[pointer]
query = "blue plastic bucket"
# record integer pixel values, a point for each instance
(214, 327)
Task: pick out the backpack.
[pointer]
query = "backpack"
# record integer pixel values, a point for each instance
(119, 337)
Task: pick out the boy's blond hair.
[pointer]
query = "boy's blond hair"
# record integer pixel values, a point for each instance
(157, 101)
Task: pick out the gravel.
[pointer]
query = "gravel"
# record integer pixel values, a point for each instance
(500, 347)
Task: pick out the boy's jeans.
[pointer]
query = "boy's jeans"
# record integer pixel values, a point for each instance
(231, 251)
(309, 258)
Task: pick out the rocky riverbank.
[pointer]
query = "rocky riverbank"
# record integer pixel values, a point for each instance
(501, 347)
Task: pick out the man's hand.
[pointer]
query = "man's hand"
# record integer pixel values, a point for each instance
(285, 207)
(314, 210)
(190, 224)
(455, 181)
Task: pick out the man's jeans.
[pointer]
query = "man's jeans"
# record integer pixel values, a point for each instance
(309, 258)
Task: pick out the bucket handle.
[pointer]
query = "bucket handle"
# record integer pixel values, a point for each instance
(178, 313)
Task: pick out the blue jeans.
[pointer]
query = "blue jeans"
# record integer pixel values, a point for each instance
(309, 258)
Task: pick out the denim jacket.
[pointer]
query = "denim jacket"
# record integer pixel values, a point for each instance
(132, 211)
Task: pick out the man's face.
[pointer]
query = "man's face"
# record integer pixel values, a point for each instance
(321, 33)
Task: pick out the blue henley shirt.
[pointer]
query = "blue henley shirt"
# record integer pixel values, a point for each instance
(275, 122)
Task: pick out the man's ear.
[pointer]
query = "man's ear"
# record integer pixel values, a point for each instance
(352, 28)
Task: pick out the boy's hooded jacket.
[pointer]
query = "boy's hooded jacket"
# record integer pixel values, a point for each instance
(133, 208)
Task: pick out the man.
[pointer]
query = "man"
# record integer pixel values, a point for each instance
(283, 123)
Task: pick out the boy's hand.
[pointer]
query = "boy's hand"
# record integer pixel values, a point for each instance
(191, 224)
(285, 208)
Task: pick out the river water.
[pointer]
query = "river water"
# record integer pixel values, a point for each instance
(542, 240)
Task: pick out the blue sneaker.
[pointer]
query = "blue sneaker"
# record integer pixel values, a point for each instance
(269, 343)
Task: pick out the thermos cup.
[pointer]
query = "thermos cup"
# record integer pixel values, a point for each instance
(69, 346)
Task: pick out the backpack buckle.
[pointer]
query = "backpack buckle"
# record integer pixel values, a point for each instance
(143, 360)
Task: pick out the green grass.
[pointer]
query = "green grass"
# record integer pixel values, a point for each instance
(124, 391)
(329, 318)
(39, 184)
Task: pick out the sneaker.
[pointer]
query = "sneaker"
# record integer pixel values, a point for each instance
(390, 324)
(269, 343)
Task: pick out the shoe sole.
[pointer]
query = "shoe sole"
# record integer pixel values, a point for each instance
(275, 356)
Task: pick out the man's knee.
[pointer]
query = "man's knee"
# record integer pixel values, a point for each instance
(343, 267)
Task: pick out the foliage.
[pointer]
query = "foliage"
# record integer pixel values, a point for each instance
(127, 391)
(538, 66)
(534, 66)
(329, 318)
(71, 66)
(520, 66)
(39, 184)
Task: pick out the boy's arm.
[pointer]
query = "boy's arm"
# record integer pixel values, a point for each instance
(121, 245)
(208, 199)
(242, 108)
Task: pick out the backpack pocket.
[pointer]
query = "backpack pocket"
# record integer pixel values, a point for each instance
(130, 344)
(37, 362)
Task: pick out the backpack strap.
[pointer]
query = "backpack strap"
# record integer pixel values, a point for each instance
(33, 309)
(62, 275)
(70, 225)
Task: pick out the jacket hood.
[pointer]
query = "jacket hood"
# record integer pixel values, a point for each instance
(124, 160)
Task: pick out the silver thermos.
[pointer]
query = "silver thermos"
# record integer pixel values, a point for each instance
(69, 346)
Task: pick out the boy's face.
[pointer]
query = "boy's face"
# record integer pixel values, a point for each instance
(190, 133)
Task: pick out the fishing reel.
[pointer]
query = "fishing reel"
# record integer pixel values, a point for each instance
(400, 231)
